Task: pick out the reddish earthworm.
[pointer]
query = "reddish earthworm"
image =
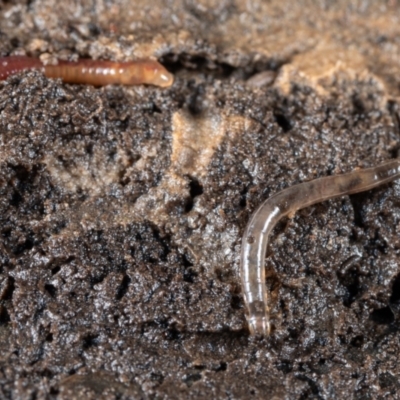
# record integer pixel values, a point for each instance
(92, 72)
(286, 203)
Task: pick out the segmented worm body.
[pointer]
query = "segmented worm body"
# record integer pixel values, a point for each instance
(92, 72)
(284, 203)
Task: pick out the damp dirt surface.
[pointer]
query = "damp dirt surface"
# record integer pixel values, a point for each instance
(122, 208)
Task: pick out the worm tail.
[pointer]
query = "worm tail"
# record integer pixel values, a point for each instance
(14, 64)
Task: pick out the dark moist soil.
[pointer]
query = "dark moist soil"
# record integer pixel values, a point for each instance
(122, 209)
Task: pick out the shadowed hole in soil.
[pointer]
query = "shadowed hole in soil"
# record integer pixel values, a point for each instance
(243, 198)
(9, 289)
(356, 201)
(54, 391)
(90, 341)
(358, 105)
(350, 280)
(50, 289)
(357, 341)
(4, 316)
(222, 367)
(382, 316)
(395, 297)
(186, 262)
(173, 334)
(16, 199)
(189, 275)
(236, 302)
(283, 121)
(47, 373)
(123, 288)
(96, 279)
(204, 65)
(195, 189)
(55, 270)
(26, 246)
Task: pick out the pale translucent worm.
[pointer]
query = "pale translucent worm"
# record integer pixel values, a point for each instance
(284, 203)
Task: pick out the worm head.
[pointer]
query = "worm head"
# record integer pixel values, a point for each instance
(155, 74)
